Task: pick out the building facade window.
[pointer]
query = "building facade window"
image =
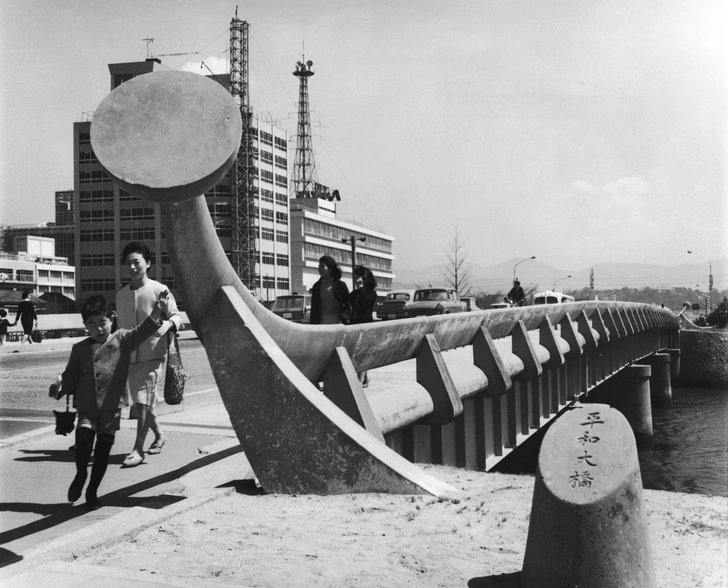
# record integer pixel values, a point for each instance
(98, 285)
(281, 198)
(282, 260)
(269, 282)
(84, 138)
(96, 235)
(283, 284)
(266, 176)
(131, 214)
(124, 196)
(266, 156)
(266, 234)
(319, 229)
(89, 216)
(96, 260)
(266, 138)
(281, 144)
(92, 177)
(282, 218)
(220, 190)
(282, 236)
(266, 214)
(281, 181)
(268, 258)
(281, 162)
(86, 196)
(86, 157)
(137, 234)
(266, 195)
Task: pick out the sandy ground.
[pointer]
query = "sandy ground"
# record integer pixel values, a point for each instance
(473, 538)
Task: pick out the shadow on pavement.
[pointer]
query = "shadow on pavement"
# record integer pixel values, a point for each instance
(34, 455)
(60, 513)
(512, 580)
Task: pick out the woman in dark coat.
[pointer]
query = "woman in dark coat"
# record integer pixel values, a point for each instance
(27, 317)
(364, 298)
(329, 296)
(363, 301)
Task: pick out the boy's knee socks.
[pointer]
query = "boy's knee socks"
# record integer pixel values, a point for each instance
(101, 460)
(84, 447)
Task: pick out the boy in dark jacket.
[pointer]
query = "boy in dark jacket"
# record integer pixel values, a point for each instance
(96, 373)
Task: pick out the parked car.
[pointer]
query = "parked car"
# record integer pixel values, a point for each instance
(296, 307)
(431, 301)
(549, 297)
(394, 305)
(501, 305)
(469, 303)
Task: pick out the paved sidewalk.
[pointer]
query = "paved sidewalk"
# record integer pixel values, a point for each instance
(39, 530)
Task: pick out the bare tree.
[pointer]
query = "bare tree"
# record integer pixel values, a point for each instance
(456, 271)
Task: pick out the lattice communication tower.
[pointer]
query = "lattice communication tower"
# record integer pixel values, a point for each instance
(305, 179)
(244, 217)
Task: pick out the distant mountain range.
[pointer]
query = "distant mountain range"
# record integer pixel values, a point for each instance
(607, 276)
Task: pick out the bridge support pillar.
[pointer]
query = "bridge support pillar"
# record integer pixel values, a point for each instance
(660, 387)
(588, 524)
(674, 364)
(632, 399)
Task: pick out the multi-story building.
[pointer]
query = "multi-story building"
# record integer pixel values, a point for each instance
(34, 266)
(315, 231)
(107, 217)
(61, 231)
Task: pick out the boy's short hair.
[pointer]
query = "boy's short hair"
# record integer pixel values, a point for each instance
(95, 305)
(136, 247)
(3, 313)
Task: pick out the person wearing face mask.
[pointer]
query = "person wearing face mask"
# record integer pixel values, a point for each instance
(329, 295)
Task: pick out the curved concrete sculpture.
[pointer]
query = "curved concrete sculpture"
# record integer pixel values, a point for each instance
(169, 137)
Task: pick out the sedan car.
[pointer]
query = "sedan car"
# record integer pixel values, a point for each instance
(395, 304)
(432, 301)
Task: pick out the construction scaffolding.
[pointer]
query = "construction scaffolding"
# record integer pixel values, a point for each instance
(244, 218)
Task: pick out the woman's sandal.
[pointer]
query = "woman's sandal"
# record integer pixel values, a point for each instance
(132, 460)
(156, 447)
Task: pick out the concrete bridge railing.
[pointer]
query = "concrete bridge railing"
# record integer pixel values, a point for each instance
(169, 137)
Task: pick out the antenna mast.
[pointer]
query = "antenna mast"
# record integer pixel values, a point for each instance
(244, 254)
(305, 180)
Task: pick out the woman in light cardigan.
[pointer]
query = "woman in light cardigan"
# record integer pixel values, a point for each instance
(134, 303)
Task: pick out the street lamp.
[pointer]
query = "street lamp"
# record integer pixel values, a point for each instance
(515, 266)
(557, 281)
(710, 279)
(352, 239)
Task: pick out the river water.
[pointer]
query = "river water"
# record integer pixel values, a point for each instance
(689, 451)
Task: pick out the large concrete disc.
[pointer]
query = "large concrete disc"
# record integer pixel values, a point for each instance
(167, 136)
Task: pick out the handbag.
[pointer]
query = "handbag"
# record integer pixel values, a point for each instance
(36, 336)
(174, 376)
(64, 420)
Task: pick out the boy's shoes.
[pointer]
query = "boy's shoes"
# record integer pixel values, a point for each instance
(132, 460)
(92, 501)
(156, 447)
(76, 487)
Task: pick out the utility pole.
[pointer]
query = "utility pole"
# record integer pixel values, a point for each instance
(352, 239)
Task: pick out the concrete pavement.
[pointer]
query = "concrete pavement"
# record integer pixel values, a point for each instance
(41, 531)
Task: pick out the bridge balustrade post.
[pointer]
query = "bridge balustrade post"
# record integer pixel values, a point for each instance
(573, 357)
(602, 359)
(615, 358)
(549, 393)
(433, 375)
(629, 334)
(342, 387)
(520, 412)
(590, 344)
(490, 405)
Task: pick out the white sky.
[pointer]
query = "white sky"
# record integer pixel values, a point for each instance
(580, 132)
